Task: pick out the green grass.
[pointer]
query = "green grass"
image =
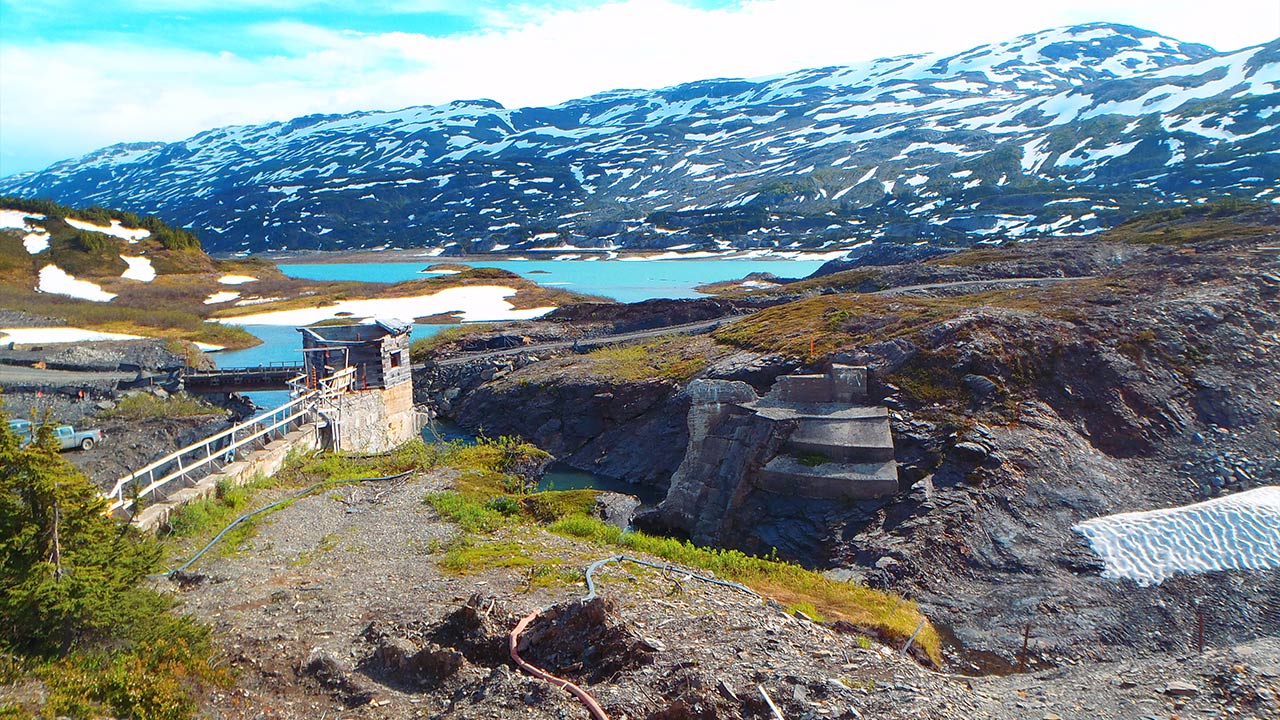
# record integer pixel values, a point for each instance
(813, 459)
(663, 359)
(423, 349)
(807, 610)
(145, 406)
(891, 618)
(201, 520)
(485, 500)
(468, 557)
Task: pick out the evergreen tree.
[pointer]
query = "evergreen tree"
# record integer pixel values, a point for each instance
(70, 574)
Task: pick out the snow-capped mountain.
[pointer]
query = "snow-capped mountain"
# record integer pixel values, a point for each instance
(1062, 132)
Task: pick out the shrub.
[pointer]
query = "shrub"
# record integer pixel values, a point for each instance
(145, 406)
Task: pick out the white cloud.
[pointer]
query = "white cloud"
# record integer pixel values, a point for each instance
(60, 100)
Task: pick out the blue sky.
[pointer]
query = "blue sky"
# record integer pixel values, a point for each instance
(76, 76)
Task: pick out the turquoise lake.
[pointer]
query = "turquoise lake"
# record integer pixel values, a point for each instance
(621, 280)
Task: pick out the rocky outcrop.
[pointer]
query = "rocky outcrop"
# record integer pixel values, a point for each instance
(804, 439)
(632, 431)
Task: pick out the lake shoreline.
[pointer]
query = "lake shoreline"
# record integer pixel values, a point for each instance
(418, 255)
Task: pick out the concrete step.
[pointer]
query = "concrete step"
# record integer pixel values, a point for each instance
(792, 411)
(786, 475)
(853, 440)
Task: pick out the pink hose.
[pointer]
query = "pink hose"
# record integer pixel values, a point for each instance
(597, 712)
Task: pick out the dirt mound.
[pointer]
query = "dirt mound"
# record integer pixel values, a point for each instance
(478, 630)
(585, 642)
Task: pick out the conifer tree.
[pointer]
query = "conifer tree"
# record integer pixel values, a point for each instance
(70, 574)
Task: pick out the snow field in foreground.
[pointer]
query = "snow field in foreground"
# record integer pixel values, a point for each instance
(1237, 532)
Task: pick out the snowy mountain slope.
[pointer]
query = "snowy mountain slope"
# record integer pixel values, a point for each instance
(1061, 132)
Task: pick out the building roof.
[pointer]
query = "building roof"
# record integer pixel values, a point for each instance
(356, 333)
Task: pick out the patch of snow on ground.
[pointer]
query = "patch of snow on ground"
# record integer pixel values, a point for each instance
(475, 303)
(133, 235)
(39, 335)
(56, 281)
(1236, 532)
(16, 219)
(139, 269)
(221, 297)
(36, 242)
(236, 279)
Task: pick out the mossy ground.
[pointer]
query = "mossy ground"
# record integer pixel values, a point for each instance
(486, 508)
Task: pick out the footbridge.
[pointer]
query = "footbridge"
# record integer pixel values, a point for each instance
(272, 376)
(237, 451)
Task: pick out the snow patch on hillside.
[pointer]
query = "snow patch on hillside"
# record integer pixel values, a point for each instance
(36, 242)
(133, 235)
(473, 303)
(1237, 532)
(221, 297)
(236, 279)
(139, 269)
(41, 335)
(55, 281)
(17, 219)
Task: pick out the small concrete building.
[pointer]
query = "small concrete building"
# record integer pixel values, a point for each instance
(378, 413)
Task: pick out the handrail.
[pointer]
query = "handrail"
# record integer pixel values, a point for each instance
(267, 422)
(115, 490)
(209, 458)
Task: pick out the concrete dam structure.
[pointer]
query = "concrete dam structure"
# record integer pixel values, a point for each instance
(811, 436)
(838, 447)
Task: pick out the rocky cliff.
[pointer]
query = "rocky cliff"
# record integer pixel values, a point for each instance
(1020, 411)
(1138, 373)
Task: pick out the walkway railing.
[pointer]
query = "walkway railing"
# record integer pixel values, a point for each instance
(198, 459)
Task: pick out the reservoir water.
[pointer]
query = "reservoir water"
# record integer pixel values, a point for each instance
(621, 280)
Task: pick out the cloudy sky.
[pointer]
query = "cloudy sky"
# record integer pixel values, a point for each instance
(76, 76)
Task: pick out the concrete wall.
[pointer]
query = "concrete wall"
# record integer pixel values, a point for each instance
(374, 420)
(263, 463)
(802, 389)
(787, 476)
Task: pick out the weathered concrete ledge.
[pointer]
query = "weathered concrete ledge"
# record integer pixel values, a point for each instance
(261, 463)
